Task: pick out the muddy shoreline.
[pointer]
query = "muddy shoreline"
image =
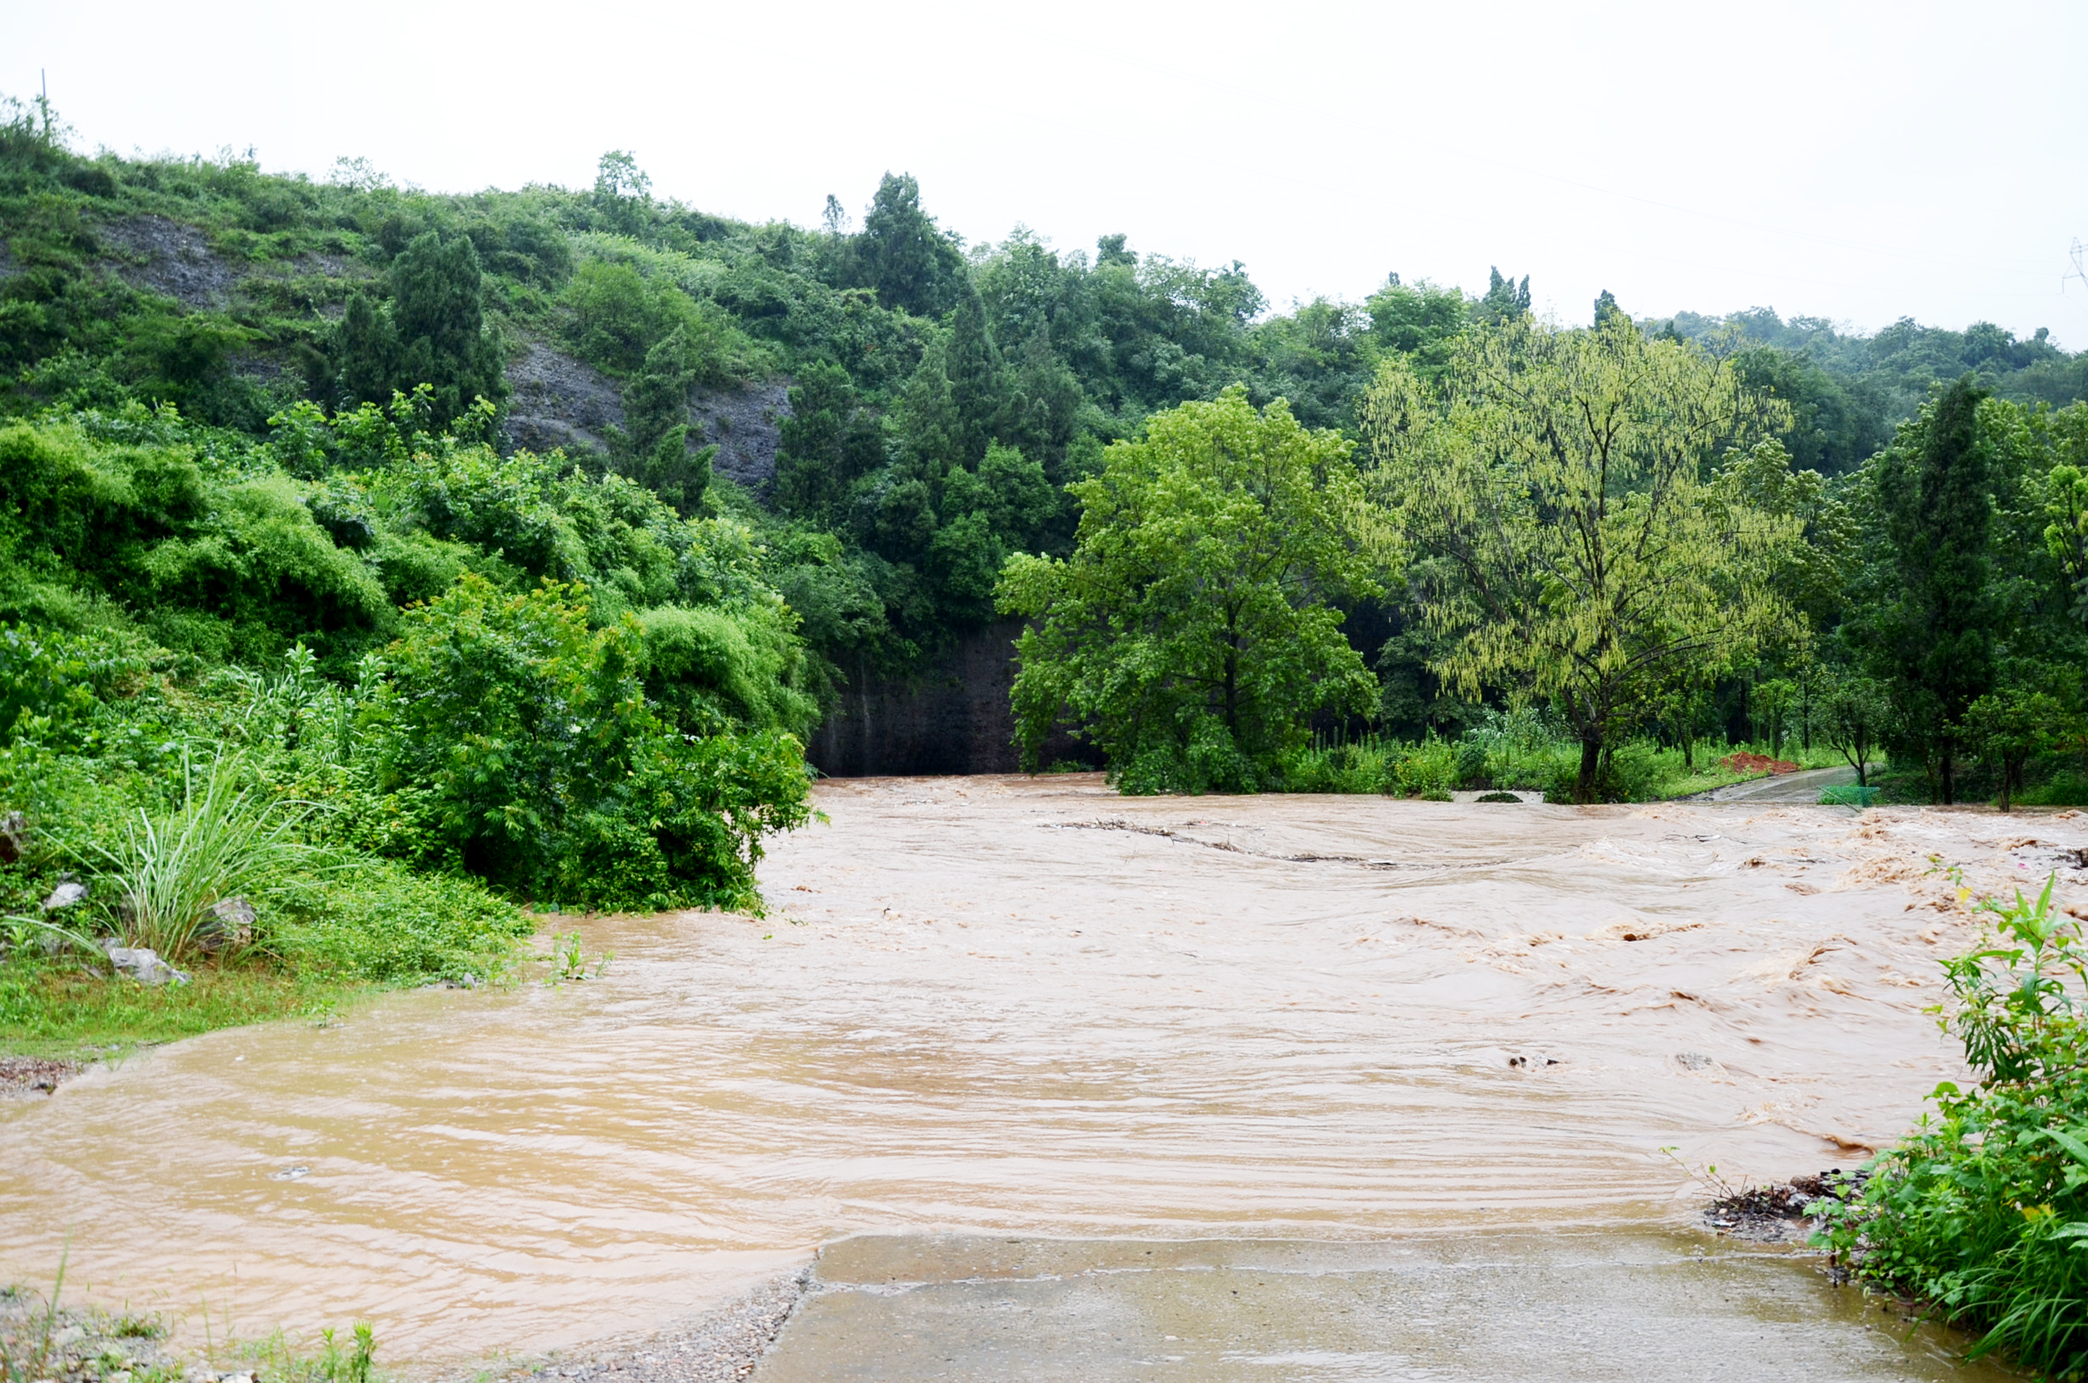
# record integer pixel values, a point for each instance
(33, 1077)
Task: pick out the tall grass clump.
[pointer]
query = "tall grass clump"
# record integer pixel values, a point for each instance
(1984, 1211)
(168, 868)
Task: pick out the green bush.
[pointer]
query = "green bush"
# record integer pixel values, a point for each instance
(1984, 1212)
(614, 315)
(511, 740)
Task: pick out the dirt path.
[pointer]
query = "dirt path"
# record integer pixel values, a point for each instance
(1803, 786)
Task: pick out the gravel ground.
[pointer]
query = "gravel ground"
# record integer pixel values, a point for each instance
(720, 1347)
(32, 1077)
(81, 1346)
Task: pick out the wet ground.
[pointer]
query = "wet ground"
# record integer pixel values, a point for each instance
(1802, 786)
(1496, 1306)
(1034, 1011)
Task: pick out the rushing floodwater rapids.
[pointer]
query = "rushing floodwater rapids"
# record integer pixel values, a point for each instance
(1031, 1008)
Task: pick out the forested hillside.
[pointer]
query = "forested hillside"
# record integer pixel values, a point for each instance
(889, 411)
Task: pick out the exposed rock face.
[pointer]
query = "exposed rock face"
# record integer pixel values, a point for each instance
(168, 258)
(14, 837)
(953, 717)
(745, 425)
(557, 401)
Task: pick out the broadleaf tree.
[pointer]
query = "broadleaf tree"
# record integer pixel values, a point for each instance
(1573, 538)
(1193, 632)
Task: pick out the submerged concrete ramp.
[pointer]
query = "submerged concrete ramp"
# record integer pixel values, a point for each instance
(1640, 1305)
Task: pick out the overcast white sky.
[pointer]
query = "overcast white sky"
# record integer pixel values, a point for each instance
(1854, 161)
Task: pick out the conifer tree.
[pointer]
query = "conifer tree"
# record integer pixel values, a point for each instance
(434, 333)
(1933, 644)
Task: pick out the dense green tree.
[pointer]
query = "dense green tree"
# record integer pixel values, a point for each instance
(912, 263)
(1320, 358)
(1193, 631)
(977, 381)
(1556, 482)
(1418, 320)
(433, 333)
(366, 351)
(1932, 636)
(1856, 719)
(1832, 431)
(1505, 299)
(828, 440)
(438, 312)
(655, 445)
(2009, 727)
(2065, 492)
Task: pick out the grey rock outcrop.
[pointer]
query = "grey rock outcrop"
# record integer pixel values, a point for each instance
(745, 425)
(64, 896)
(171, 259)
(227, 926)
(144, 965)
(556, 401)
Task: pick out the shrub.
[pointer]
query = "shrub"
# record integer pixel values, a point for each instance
(509, 739)
(1985, 1212)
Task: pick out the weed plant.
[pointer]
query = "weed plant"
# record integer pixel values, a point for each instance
(353, 1360)
(166, 793)
(1983, 1210)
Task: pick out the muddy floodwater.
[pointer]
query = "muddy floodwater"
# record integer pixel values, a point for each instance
(1031, 1009)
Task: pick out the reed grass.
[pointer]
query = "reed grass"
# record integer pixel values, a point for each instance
(167, 869)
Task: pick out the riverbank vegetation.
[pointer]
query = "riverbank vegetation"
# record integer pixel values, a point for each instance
(1981, 1212)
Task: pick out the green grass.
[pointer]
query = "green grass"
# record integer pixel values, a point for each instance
(63, 1011)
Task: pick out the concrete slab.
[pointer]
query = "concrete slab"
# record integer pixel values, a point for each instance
(1554, 1305)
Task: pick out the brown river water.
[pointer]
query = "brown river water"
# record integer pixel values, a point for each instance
(1002, 1006)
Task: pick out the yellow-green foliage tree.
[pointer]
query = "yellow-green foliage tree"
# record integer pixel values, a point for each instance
(1571, 537)
(1192, 633)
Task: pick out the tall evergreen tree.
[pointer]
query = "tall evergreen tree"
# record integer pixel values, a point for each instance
(1933, 640)
(655, 449)
(1505, 299)
(366, 353)
(435, 333)
(901, 253)
(826, 442)
(978, 387)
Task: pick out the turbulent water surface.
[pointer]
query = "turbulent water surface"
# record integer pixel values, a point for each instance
(1032, 1009)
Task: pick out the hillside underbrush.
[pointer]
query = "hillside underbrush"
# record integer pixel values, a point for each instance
(293, 718)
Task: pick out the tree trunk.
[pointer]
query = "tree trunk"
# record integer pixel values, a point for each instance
(1591, 763)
